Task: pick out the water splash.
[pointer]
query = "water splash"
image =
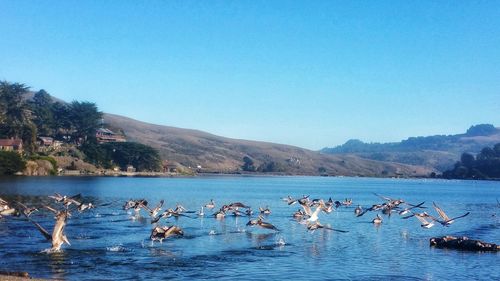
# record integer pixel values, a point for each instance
(117, 248)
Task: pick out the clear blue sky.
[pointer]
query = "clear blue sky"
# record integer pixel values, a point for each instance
(306, 73)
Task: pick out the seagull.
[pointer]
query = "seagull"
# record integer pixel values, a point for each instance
(446, 221)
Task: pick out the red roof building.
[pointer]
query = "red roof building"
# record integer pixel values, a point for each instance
(11, 145)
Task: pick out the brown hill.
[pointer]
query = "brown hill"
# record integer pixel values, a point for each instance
(210, 153)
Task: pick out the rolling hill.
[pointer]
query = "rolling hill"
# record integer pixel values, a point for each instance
(439, 152)
(205, 152)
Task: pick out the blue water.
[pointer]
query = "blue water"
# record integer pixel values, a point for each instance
(109, 243)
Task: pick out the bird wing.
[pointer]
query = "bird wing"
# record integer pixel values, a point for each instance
(76, 196)
(416, 206)
(50, 209)
(441, 213)
(421, 219)
(383, 197)
(3, 202)
(307, 209)
(409, 216)
(464, 215)
(42, 230)
(268, 226)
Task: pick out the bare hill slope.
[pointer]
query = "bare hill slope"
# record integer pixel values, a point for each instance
(192, 148)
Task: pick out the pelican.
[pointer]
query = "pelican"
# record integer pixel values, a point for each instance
(25, 209)
(5, 209)
(358, 211)
(153, 212)
(220, 214)
(289, 200)
(210, 205)
(67, 201)
(58, 238)
(159, 233)
(299, 214)
(446, 220)
(317, 224)
(167, 214)
(407, 210)
(377, 220)
(425, 222)
(259, 222)
(201, 213)
(265, 211)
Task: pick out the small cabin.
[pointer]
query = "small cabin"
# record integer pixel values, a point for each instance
(11, 145)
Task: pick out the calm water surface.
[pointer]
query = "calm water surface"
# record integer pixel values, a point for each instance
(109, 243)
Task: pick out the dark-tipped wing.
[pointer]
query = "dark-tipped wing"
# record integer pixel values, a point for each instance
(42, 230)
(464, 215)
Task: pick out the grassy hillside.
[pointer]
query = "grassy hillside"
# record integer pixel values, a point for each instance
(193, 149)
(438, 152)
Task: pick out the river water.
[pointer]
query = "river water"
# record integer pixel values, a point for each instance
(109, 243)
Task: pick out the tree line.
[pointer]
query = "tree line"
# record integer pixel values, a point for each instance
(26, 115)
(485, 165)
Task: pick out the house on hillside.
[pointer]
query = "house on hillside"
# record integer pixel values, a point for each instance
(11, 145)
(45, 141)
(106, 135)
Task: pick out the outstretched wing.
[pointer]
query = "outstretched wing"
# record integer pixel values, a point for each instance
(383, 197)
(441, 213)
(42, 230)
(464, 215)
(306, 207)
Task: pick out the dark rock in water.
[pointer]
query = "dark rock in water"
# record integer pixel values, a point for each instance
(462, 243)
(16, 274)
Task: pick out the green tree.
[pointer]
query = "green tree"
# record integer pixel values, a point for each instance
(62, 122)
(11, 163)
(467, 160)
(122, 154)
(42, 111)
(85, 119)
(15, 114)
(248, 164)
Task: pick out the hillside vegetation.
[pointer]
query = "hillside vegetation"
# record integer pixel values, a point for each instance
(438, 152)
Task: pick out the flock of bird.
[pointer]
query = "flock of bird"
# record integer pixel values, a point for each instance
(307, 214)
